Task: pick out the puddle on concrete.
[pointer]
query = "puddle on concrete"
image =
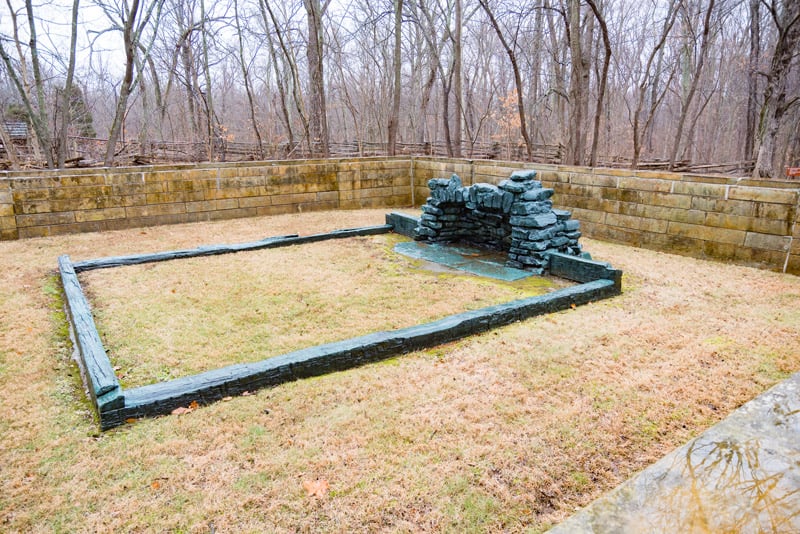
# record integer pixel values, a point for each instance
(463, 258)
(742, 475)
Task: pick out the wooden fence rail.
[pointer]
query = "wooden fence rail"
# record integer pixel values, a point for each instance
(89, 152)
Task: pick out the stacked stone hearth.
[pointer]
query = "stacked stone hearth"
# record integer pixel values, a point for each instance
(516, 216)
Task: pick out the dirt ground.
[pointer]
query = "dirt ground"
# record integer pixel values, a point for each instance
(511, 430)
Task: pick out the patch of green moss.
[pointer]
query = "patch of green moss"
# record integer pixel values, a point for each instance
(69, 384)
(471, 509)
(529, 286)
(771, 368)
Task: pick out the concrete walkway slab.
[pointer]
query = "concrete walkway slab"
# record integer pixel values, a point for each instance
(742, 475)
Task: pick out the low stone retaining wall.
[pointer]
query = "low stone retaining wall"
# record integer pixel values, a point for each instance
(750, 222)
(87, 200)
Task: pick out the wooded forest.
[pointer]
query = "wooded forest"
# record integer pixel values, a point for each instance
(702, 84)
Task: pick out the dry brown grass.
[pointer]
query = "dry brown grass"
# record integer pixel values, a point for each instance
(164, 320)
(510, 430)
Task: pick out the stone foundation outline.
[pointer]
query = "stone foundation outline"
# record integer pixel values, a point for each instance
(115, 406)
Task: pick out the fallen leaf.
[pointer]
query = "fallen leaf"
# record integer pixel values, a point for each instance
(155, 484)
(182, 410)
(316, 488)
(130, 420)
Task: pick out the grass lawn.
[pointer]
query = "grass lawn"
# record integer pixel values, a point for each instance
(509, 430)
(164, 320)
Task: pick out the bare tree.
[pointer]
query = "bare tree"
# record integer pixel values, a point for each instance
(131, 21)
(431, 49)
(280, 78)
(752, 77)
(211, 126)
(246, 77)
(512, 57)
(435, 48)
(580, 40)
(786, 16)
(698, 70)
(318, 118)
(289, 58)
(394, 117)
(36, 110)
(61, 145)
(652, 80)
(601, 91)
(8, 144)
(457, 72)
(557, 90)
(650, 77)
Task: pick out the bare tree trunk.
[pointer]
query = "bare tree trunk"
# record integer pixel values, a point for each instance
(578, 86)
(446, 86)
(655, 100)
(775, 104)
(649, 128)
(22, 81)
(43, 131)
(601, 91)
(65, 102)
(426, 98)
(318, 121)
(296, 92)
(559, 93)
(435, 48)
(517, 79)
(160, 98)
(144, 122)
(692, 128)
(247, 87)
(752, 78)
(536, 53)
(132, 27)
(183, 48)
(698, 71)
(211, 128)
(127, 83)
(36, 113)
(191, 89)
(278, 75)
(458, 92)
(394, 118)
(355, 114)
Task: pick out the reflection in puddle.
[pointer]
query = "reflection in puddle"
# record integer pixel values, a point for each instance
(730, 486)
(740, 476)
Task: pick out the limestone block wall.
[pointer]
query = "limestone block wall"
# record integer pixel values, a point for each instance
(68, 201)
(8, 223)
(750, 222)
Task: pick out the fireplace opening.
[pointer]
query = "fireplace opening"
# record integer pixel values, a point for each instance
(516, 217)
